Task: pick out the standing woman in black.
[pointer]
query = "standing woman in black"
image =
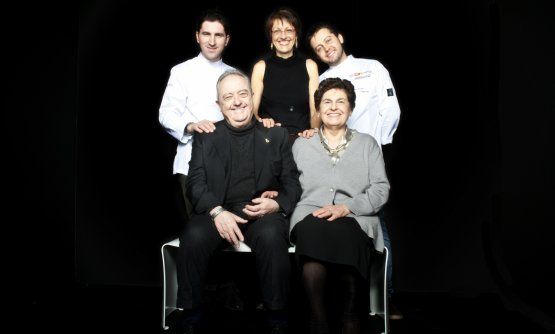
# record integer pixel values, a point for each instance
(284, 81)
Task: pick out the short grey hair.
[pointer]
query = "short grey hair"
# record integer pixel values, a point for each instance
(232, 72)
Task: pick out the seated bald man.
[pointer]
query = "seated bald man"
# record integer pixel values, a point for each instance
(229, 171)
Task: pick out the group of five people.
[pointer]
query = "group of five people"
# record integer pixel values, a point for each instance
(245, 176)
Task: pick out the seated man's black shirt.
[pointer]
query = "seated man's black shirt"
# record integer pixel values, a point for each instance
(242, 179)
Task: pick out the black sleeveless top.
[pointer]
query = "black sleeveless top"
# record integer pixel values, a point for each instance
(285, 96)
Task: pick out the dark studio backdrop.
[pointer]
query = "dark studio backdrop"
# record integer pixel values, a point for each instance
(471, 167)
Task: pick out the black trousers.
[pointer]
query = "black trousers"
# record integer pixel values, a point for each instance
(183, 204)
(268, 239)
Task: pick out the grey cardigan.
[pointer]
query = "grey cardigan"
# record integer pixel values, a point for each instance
(357, 180)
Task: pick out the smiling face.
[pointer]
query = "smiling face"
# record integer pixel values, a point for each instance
(212, 40)
(328, 47)
(284, 37)
(235, 100)
(334, 108)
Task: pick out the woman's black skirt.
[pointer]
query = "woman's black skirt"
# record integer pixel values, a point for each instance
(341, 241)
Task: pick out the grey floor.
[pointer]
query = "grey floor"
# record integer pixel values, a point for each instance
(113, 309)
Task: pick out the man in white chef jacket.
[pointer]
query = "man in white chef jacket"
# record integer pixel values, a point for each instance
(377, 110)
(189, 102)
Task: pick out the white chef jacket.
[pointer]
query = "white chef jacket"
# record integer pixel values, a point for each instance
(376, 109)
(190, 96)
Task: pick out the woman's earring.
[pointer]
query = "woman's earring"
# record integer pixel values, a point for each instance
(271, 46)
(296, 43)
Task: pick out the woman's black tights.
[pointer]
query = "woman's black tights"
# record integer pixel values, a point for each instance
(314, 276)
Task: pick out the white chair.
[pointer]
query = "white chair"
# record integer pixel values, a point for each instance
(378, 281)
(378, 288)
(169, 270)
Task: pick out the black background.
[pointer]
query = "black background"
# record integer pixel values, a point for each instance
(88, 167)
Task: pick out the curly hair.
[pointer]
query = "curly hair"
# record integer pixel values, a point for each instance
(335, 83)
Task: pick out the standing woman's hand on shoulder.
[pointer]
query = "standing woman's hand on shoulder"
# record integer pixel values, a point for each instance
(269, 122)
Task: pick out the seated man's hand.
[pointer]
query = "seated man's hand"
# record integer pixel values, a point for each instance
(269, 122)
(269, 194)
(261, 207)
(308, 133)
(200, 127)
(226, 223)
(332, 212)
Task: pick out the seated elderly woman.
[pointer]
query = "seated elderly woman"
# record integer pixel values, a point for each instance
(335, 226)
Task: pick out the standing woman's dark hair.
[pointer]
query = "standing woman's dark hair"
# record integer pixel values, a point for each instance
(284, 81)
(283, 14)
